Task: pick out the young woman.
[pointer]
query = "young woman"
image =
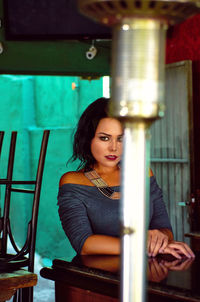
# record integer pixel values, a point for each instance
(88, 199)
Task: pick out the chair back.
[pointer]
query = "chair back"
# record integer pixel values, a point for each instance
(23, 257)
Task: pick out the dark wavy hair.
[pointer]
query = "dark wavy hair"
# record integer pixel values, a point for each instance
(85, 132)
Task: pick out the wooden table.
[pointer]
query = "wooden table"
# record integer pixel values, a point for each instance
(11, 281)
(97, 279)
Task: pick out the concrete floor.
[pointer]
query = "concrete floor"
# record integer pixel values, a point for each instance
(44, 290)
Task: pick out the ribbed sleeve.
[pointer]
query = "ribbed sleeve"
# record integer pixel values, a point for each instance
(159, 218)
(73, 216)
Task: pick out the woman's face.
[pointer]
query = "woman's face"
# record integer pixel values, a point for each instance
(106, 146)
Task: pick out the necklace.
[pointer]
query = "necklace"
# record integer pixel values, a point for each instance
(101, 185)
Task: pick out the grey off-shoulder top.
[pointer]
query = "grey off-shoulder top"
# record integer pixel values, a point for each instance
(85, 211)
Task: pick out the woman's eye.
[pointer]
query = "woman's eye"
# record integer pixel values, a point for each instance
(120, 139)
(104, 138)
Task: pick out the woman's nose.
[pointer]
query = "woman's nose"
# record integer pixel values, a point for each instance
(113, 145)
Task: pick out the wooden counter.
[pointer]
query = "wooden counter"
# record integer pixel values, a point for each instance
(97, 279)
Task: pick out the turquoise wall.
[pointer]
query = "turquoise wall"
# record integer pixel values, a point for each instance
(30, 104)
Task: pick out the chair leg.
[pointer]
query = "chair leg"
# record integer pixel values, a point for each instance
(23, 295)
(8, 193)
(1, 139)
(37, 198)
(27, 294)
(15, 297)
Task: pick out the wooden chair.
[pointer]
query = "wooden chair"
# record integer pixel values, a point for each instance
(23, 257)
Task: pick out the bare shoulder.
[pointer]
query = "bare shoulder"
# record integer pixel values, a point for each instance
(74, 177)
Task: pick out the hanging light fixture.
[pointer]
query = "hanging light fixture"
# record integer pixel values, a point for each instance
(137, 94)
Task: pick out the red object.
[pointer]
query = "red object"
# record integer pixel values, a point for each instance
(183, 41)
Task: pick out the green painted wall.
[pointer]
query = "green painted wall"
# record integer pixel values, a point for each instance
(30, 104)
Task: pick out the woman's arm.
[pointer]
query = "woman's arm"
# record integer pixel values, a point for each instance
(107, 245)
(168, 233)
(160, 231)
(73, 216)
(109, 263)
(101, 244)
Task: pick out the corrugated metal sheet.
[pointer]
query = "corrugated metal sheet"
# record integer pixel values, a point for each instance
(170, 146)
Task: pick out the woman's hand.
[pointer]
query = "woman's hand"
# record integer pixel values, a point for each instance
(178, 249)
(156, 242)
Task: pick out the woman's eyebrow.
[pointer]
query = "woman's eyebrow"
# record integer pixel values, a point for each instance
(104, 133)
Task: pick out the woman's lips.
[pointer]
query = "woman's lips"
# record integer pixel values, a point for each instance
(111, 157)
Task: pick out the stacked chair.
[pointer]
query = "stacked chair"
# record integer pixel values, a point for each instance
(23, 257)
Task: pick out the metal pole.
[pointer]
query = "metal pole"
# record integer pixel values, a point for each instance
(134, 212)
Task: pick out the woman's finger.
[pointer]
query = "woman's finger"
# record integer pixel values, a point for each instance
(161, 244)
(182, 247)
(173, 252)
